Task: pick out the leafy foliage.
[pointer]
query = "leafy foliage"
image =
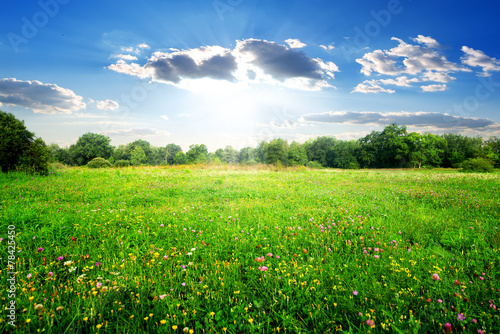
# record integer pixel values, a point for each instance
(90, 146)
(98, 163)
(122, 163)
(477, 165)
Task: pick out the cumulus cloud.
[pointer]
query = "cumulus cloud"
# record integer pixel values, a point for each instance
(251, 60)
(107, 105)
(434, 88)
(413, 59)
(165, 117)
(39, 96)
(327, 47)
(477, 58)
(371, 86)
(412, 119)
(143, 46)
(294, 43)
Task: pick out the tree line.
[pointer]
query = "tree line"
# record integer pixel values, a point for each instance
(393, 147)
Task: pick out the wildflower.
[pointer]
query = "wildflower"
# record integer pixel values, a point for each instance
(480, 331)
(98, 264)
(461, 317)
(183, 283)
(28, 276)
(162, 296)
(40, 249)
(212, 313)
(60, 258)
(269, 254)
(67, 263)
(193, 249)
(440, 300)
(447, 328)
(481, 278)
(98, 284)
(163, 322)
(38, 306)
(59, 308)
(189, 253)
(185, 330)
(98, 326)
(165, 257)
(28, 321)
(376, 256)
(474, 320)
(456, 282)
(355, 293)
(161, 225)
(72, 269)
(435, 277)
(277, 256)
(370, 323)
(174, 327)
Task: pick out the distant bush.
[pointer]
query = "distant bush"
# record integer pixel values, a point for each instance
(477, 165)
(98, 163)
(122, 163)
(314, 165)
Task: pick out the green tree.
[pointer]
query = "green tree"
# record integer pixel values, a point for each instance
(230, 155)
(146, 147)
(459, 148)
(19, 147)
(180, 158)
(318, 148)
(261, 151)
(197, 154)
(170, 151)
(277, 152)
(427, 149)
(297, 155)
(90, 146)
(342, 155)
(138, 156)
(247, 154)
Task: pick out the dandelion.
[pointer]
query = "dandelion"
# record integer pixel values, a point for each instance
(212, 313)
(355, 293)
(435, 277)
(98, 326)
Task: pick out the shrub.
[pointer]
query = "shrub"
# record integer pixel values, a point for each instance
(98, 163)
(477, 165)
(314, 165)
(122, 163)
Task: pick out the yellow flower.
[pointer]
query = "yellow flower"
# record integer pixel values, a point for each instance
(151, 314)
(146, 318)
(86, 318)
(224, 329)
(250, 320)
(99, 326)
(191, 331)
(31, 298)
(163, 322)
(212, 313)
(174, 327)
(131, 316)
(28, 321)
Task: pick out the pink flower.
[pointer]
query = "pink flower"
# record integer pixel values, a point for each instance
(40, 249)
(440, 300)
(370, 323)
(98, 284)
(263, 268)
(183, 283)
(162, 296)
(161, 225)
(50, 274)
(480, 331)
(461, 317)
(355, 293)
(474, 320)
(165, 257)
(60, 258)
(28, 276)
(447, 328)
(435, 277)
(481, 278)
(269, 254)
(376, 256)
(277, 256)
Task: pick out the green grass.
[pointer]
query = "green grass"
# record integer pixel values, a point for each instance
(163, 249)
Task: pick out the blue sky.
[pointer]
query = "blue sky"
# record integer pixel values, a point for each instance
(235, 72)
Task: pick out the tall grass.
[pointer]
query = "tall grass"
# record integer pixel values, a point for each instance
(252, 250)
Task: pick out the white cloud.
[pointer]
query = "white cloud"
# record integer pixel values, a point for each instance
(252, 60)
(294, 43)
(437, 77)
(165, 117)
(127, 48)
(402, 81)
(477, 58)
(327, 47)
(107, 105)
(429, 41)
(413, 119)
(137, 132)
(124, 57)
(434, 88)
(40, 97)
(371, 86)
(143, 46)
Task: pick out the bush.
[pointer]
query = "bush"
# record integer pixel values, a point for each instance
(477, 165)
(314, 165)
(98, 163)
(122, 163)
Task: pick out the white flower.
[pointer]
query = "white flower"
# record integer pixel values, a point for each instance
(72, 269)
(67, 263)
(193, 249)
(189, 253)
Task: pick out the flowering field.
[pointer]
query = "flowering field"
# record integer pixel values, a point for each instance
(217, 250)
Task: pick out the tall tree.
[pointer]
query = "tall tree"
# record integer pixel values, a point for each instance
(90, 146)
(197, 153)
(277, 152)
(170, 151)
(297, 155)
(138, 156)
(19, 147)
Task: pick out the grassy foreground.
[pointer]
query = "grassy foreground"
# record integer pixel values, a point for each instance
(216, 250)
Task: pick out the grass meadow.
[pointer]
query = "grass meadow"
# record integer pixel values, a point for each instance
(240, 250)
